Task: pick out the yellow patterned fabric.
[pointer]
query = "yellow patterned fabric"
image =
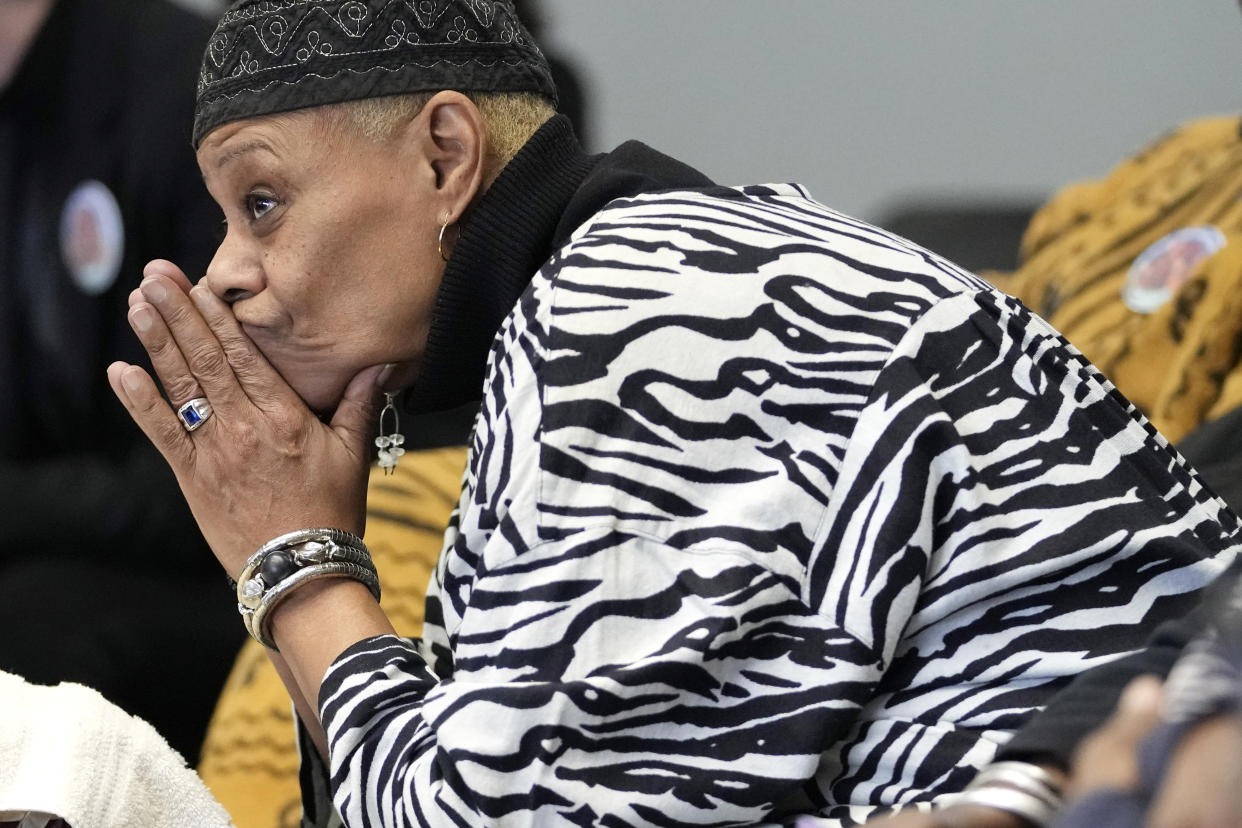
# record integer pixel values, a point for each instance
(1095, 257)
(249, 759)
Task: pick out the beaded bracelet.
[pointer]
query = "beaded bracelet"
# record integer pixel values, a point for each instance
(293, 560)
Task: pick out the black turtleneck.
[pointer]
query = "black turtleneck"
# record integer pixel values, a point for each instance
(549, 188)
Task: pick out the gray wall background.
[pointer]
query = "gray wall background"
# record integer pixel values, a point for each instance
(872, 103)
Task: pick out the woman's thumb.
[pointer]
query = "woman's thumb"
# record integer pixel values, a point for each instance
(354, 419)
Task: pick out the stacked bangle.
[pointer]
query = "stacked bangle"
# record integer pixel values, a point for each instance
(293, 560)
(1027, 791)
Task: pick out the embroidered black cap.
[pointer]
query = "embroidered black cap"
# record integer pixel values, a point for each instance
(269, 56)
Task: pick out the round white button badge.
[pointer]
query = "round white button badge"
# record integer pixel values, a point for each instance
(1165, 266)
(92, 237)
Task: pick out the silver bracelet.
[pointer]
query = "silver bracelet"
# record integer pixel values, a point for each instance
(291, 560)
(1027, 791)
(1032, 809)
(282, 556)
(1028, 769)
(255, 620)
(339, 536)
(1024, 776)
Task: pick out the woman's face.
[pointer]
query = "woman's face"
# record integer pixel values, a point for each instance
(330, 259)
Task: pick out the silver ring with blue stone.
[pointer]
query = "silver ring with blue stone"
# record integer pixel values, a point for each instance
(194, 413)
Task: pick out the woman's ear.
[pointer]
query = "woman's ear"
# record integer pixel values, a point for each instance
(456, 148)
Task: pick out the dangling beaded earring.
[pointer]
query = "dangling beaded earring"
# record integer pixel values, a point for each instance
(389, 445)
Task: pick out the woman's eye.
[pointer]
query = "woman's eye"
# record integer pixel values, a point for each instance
(259, 204)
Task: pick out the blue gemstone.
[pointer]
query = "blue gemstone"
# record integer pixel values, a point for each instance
(191, 417)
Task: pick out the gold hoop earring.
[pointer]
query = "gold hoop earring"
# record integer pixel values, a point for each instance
(440, 242)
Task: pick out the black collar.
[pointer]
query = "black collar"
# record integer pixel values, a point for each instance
(542, 195)
(503, 242)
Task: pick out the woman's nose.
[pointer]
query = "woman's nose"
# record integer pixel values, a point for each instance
(235, 272)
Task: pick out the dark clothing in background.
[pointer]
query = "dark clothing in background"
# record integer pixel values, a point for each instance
(1215, 449)
(103, 569)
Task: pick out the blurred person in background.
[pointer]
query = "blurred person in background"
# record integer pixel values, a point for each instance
(571, 93)
(103, 578)
(1142, 271)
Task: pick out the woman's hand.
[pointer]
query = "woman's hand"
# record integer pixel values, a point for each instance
(262, 464)
(1202, 783)
(1107, 759)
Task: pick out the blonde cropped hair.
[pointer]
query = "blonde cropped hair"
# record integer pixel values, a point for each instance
(510, 118)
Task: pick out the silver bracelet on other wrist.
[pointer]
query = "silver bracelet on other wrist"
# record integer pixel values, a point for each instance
(1021, 775)
(1027, 791)
(1029, 808)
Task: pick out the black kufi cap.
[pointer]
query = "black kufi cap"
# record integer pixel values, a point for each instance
(269, 56)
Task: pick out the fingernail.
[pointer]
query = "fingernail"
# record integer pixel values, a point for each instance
(201, 296)
(384, 374)
(154, 290)
(132, 380)
(142, 318)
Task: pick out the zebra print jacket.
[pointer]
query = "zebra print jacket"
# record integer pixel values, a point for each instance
(768, 514)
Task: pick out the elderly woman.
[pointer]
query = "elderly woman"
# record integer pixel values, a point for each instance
(768, 514)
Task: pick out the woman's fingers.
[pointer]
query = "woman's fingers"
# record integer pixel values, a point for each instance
(260, 381)
(165, 268)
(137, 392)
(1108, 758)
(160, 267)
(170, 366)
(181, 328)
